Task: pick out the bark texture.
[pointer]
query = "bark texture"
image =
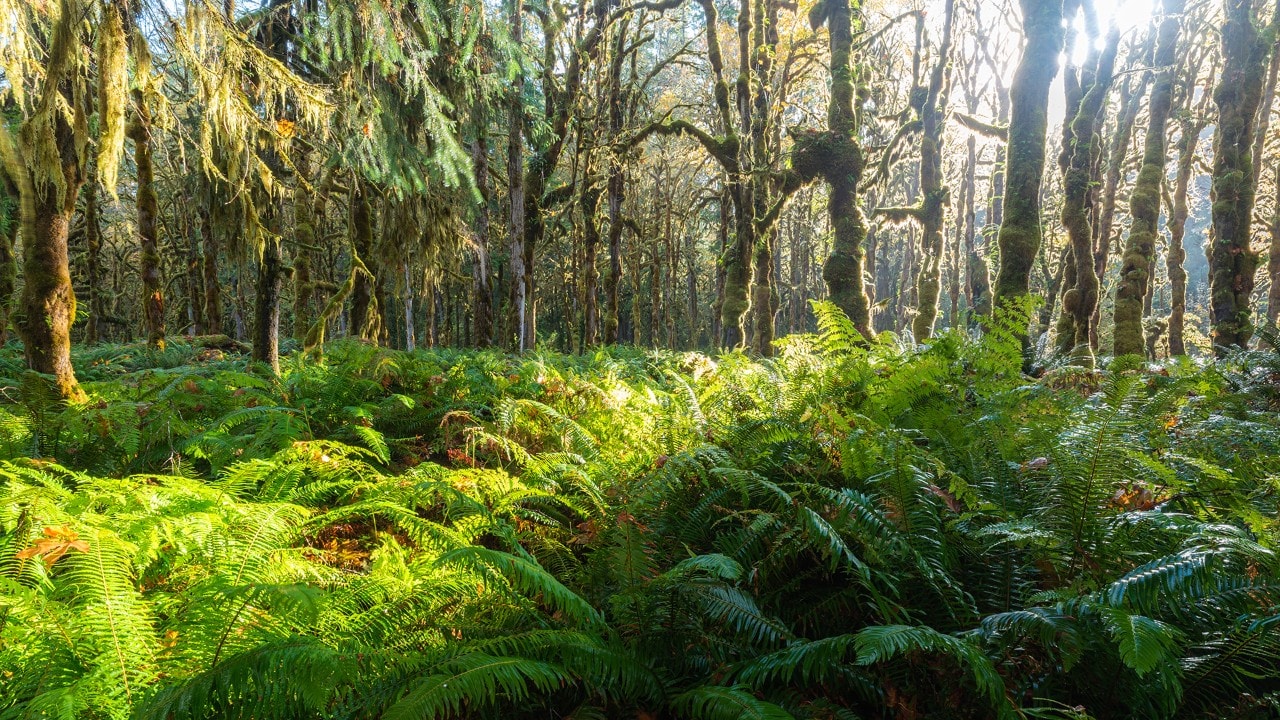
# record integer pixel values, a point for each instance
(1232, 262)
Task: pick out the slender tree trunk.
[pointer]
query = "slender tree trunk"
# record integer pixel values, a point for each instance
(304, 230)
(266, 316)
(1138, 264)
(1020, 232)
(93, 259)
(10, 221)
(516, 189)
(363, 304)
(195, 299)
(1117, 153)
(1232, 262)
(209, 252)
(590, 200)
(148, 234)
(410, 337)
(482, 283)
(614, 190)
(932, 211)
(1273, 259)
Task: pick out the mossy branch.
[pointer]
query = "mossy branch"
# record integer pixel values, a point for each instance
(994, 131)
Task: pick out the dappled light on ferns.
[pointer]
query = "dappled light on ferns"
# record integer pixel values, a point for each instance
(851, 529)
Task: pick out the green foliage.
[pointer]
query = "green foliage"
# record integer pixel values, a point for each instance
(842, 530)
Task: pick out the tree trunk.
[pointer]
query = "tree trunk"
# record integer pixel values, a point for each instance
(48, 305)
(209, 251)
(614, 190)
(1232, 262)
(1273, 260)
(481, 282)
(589, 200)
(148, 235)
(932, 211)
(837, 156)
(93, 260)
(266, 315)
(10, 221)
(1020, 231)
(1138, 263)
(515, 187)
(363, 307)
(1117, 153)
(195, 301)
(1079, 183)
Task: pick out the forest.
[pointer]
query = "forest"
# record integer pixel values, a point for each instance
(639, 359)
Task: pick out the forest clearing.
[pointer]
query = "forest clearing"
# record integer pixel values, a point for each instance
(643, 359)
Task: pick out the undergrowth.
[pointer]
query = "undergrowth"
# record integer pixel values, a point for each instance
(839, 532)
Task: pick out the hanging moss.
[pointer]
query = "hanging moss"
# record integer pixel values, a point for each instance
(113, 95)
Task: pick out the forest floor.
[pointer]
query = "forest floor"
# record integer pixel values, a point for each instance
(835, 532)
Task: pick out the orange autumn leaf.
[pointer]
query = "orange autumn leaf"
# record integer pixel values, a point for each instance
(56, 543)
(286, 128)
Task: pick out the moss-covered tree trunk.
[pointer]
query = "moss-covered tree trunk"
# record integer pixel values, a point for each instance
(1079, 195)
(93, 260)
(589, 201)
(148, 208)
(49, 173)
(266, 311)
(1138, 262)
(9, 223)
(932, 212)
(1020, 231)
(209, 262)
(304, 234)
(836, 156)
(1232, 262)
(363, 322)
(615, 187)
(1117, 153)
(1192, 124)
(48, 304)
(764, 304)
(1273, 259)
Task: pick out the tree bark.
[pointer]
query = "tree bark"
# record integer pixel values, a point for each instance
(48, 304)
(516, 189)
(363, 305)
(837, 156)
(1081, 294)
(481, 282)
(266, 316)
(1020, 231)
(209, 261)
(1138, 263)
(93, 260)
(1232, 262)
(10, 221)
(590, 200)
(148, 233)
